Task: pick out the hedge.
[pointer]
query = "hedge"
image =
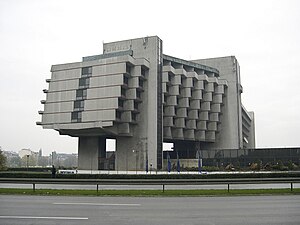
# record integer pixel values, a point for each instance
(8, 174)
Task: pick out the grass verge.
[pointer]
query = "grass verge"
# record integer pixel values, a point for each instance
(17, 191)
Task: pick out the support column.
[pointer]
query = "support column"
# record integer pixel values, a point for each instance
(90, 150)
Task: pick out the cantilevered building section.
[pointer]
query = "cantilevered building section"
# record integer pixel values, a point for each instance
(142, 98)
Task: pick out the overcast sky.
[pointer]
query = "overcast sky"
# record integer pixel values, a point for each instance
(263, 35)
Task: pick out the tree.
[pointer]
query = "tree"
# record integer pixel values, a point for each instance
(2, 160)
(30, 161)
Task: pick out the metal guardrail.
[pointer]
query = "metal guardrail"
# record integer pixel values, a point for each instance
(162, 182)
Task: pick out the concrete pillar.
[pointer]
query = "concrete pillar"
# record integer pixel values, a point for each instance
(130, 154)
(90, 150)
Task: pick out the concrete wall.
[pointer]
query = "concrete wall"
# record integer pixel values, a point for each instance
(90, 149)
(230, 135)
(145, 134)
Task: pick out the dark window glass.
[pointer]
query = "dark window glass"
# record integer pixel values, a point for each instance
(121, 103)
(76, 116)
(128, 68)
(143, 71)
(118, 115)
(84, 82)
(136, 105)
(138, 94)
(81, 94)
(169, 77)
(133, 116)
(125, 80)
(79, 104)
(123, 92)
(86, 71)
(141, 83)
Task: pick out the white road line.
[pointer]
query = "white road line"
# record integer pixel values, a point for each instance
(93, 204)
(44, 217)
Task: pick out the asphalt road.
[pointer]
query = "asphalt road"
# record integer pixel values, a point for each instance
(252, 210)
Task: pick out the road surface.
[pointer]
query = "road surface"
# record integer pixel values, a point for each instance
(64, 210)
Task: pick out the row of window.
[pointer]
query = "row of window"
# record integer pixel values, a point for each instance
(81, 94)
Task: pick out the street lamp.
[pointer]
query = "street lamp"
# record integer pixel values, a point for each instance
(134, 151)
(27, 159)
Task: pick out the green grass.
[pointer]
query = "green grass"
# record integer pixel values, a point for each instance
(17, 191)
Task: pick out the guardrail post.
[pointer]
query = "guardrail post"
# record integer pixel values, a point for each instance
(33, 186)
(163, 186)
(97, 188)
(228, 188)
(291, 186)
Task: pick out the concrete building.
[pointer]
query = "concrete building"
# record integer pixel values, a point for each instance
(142, 98)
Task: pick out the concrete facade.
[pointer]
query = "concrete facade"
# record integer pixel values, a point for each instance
(142, 98)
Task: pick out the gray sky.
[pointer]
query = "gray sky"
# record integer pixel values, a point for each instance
(263, 35)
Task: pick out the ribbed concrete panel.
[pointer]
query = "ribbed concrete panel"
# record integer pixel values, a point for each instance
(99, 115)
(56, 118)
(104, 81)
(192, 114)
(214, 117)
(63, 85)
(191, 124)
(194, 104)
(99, 104)
(216, 107)
(189, 135)
(167, 132)
(180, 122)
(200, 135)
(203, 115)
(168, 121)
(197, 94)
(169, 111)
(61, 96)
(124, 128)
(104, 92)
(58, 107)
(212, 126)
(178, 133)
(201, 125)
(104, 70)
(66, 74)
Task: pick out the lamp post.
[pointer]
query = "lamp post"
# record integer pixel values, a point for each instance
(135, 152)
(27, 159)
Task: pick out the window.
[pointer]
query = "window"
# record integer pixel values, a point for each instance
(125, 79)
(143, 71)
(78, 105)
(128, 69)
(123, 92)
(169, 77)
(84, 82)
(133, 117)
(120, 103)
(141, 83)
(136, 106)
(86, 71)
(81, 94)
(138, 94)
(76, 117)
(118, 115)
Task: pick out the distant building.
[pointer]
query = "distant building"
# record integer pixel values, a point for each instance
(24, 152)
(141, 97)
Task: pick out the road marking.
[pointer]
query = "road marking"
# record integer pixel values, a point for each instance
(44, 217)
(93, 204)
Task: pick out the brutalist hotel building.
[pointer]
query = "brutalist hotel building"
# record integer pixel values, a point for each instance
(141, 97)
